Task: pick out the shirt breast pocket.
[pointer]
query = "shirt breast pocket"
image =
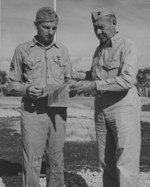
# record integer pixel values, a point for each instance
(32, 63)
(111, 68)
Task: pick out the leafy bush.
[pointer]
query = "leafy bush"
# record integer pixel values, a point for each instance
(3, 77)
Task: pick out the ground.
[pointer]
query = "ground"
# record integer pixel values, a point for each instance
(80, 150)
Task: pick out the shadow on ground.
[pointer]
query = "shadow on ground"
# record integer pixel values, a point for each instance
(11, 175)
(78, 156)
(145, 147)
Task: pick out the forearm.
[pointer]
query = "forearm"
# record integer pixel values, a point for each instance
(69, 80)
(78, 75)
(17, 88)
(120, 83)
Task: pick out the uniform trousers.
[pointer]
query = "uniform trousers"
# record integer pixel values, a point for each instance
(43, 129)
(118, 133)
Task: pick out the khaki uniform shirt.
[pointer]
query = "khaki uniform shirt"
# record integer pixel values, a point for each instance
(115, 66)
(35, 64)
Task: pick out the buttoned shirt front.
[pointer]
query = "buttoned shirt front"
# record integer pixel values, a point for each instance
(35, 64)
(116, 65)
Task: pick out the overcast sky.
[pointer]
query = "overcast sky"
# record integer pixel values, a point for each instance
(75, 28)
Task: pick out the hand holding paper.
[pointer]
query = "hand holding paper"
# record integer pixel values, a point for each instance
(83, 86)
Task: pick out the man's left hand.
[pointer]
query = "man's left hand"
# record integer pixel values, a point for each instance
(83, 86)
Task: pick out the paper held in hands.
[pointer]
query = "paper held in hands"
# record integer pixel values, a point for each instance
(58, 95)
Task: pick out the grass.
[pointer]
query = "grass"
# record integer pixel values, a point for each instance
(77, 156)
(84, 101)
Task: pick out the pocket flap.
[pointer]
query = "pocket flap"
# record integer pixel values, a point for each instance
(109, 65)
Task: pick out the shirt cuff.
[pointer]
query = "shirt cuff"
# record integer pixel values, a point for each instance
(101, 85)
(22, 90)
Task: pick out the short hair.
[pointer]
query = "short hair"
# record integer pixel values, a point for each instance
(46, 14)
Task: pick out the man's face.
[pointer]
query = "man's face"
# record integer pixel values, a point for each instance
(46, 32)
(104, 29)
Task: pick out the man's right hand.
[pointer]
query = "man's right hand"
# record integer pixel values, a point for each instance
(34, 92)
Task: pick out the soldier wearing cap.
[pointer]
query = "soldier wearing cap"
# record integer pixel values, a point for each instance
(35, 64)
(117, 104)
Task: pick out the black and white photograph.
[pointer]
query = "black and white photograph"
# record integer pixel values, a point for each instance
(74, 93)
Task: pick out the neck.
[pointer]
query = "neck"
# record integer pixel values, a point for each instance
(42, 42)
(105, 44)
(108, 41)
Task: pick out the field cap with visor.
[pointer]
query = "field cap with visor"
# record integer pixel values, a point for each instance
(101, 12)
(46, 14)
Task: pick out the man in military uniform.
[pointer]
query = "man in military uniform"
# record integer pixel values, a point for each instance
(117, 104)
(36, 64)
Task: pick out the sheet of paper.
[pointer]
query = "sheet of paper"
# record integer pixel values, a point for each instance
(58, 95)
(50, 88)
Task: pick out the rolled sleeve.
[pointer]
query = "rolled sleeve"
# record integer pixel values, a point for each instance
(15, 85)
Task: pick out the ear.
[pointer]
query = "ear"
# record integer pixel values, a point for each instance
(114, 25)
(114, 22)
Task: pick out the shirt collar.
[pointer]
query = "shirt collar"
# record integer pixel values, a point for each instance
(108, 44)
(112, 40)
(115, 38)
(35, 42)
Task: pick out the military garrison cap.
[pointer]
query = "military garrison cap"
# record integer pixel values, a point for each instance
(100, 12)
(46, 14)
